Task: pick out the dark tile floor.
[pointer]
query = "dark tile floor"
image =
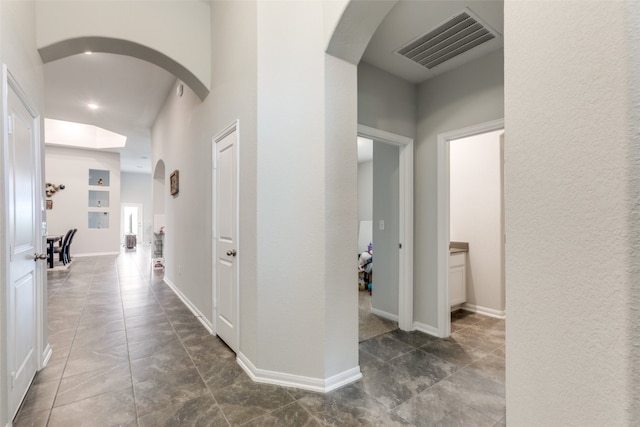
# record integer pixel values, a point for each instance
(371, 325)
(127, 352)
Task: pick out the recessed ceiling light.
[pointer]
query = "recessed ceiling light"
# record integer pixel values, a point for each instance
(93, 106)
(88, 52)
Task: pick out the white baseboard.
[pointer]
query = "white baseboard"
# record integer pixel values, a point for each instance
(205, 322)
(427, 329)
(384, 314)
(46, 355)
(498, 314)
(298, 381)
(95, 254)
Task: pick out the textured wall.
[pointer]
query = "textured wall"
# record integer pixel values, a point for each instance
(465, 96)
(386, 102)
(568, 164)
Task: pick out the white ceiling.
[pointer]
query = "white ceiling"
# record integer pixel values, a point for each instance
(410, 19)
(130, 92)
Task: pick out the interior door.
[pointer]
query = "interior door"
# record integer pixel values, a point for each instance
(25, 241)
(226, 235)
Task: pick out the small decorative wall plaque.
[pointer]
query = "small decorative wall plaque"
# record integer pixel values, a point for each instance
(174, 182)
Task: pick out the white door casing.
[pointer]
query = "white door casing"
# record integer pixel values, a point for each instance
(225, 236)
(405, 252)
(443, 218)
(138, 226)
(23, 192)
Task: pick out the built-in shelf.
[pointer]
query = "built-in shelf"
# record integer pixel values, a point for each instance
(99, 199)
(99, 177)
(98, 220)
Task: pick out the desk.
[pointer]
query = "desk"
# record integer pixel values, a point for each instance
(50, 252)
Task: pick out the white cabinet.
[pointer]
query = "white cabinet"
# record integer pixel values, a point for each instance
(457, 278)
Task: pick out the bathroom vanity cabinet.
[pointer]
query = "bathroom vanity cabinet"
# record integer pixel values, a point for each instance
(457, 276)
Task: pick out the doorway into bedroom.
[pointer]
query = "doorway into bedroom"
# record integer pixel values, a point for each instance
(378, 231)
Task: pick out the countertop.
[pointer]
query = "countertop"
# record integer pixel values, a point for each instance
(458, 247)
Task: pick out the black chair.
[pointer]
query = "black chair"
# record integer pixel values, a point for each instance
(63, 248)
(69, 244)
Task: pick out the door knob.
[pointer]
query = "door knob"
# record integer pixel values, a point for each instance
(38, 256)
(231, 252)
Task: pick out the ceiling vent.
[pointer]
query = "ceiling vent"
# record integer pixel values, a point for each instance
(459, 34)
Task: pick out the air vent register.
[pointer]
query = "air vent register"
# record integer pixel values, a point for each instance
(459, 34)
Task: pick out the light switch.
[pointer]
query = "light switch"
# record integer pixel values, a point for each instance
(381, 224)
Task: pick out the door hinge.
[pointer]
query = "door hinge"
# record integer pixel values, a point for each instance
(10, 125)
(13, 379)
(400, 245)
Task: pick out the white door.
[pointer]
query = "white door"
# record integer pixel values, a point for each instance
(226, 236)
(25, 241)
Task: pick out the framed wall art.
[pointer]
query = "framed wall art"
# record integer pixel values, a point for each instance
(174, 182)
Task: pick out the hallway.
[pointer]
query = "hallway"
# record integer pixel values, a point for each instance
(127, 352)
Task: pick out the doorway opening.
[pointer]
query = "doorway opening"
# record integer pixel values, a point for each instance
(388, 226)
(131, 228)
(470, 254)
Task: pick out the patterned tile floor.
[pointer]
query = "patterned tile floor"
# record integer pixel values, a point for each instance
(127, 352)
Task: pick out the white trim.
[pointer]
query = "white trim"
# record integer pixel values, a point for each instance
(384, 314)
(444, 310)
(46, 356)
(427, 329)
(95, 254)
(140, 237)
(498, 314)
(383, 136)
(298, 381)
(205, 322)
(235, 126)
(405, 261)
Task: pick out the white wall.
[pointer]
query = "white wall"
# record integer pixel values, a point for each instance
(476, 215)
(137, 188)
(365, 191)
(386, 102)
(296, 207)
(465, 96)
(288, 187)
(18, 53)
(182, 138)
(571, 193)
(386, 202)
(70, 166)
(180, 30)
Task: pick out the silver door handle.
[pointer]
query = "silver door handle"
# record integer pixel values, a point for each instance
(38, 256)
(231, 252)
